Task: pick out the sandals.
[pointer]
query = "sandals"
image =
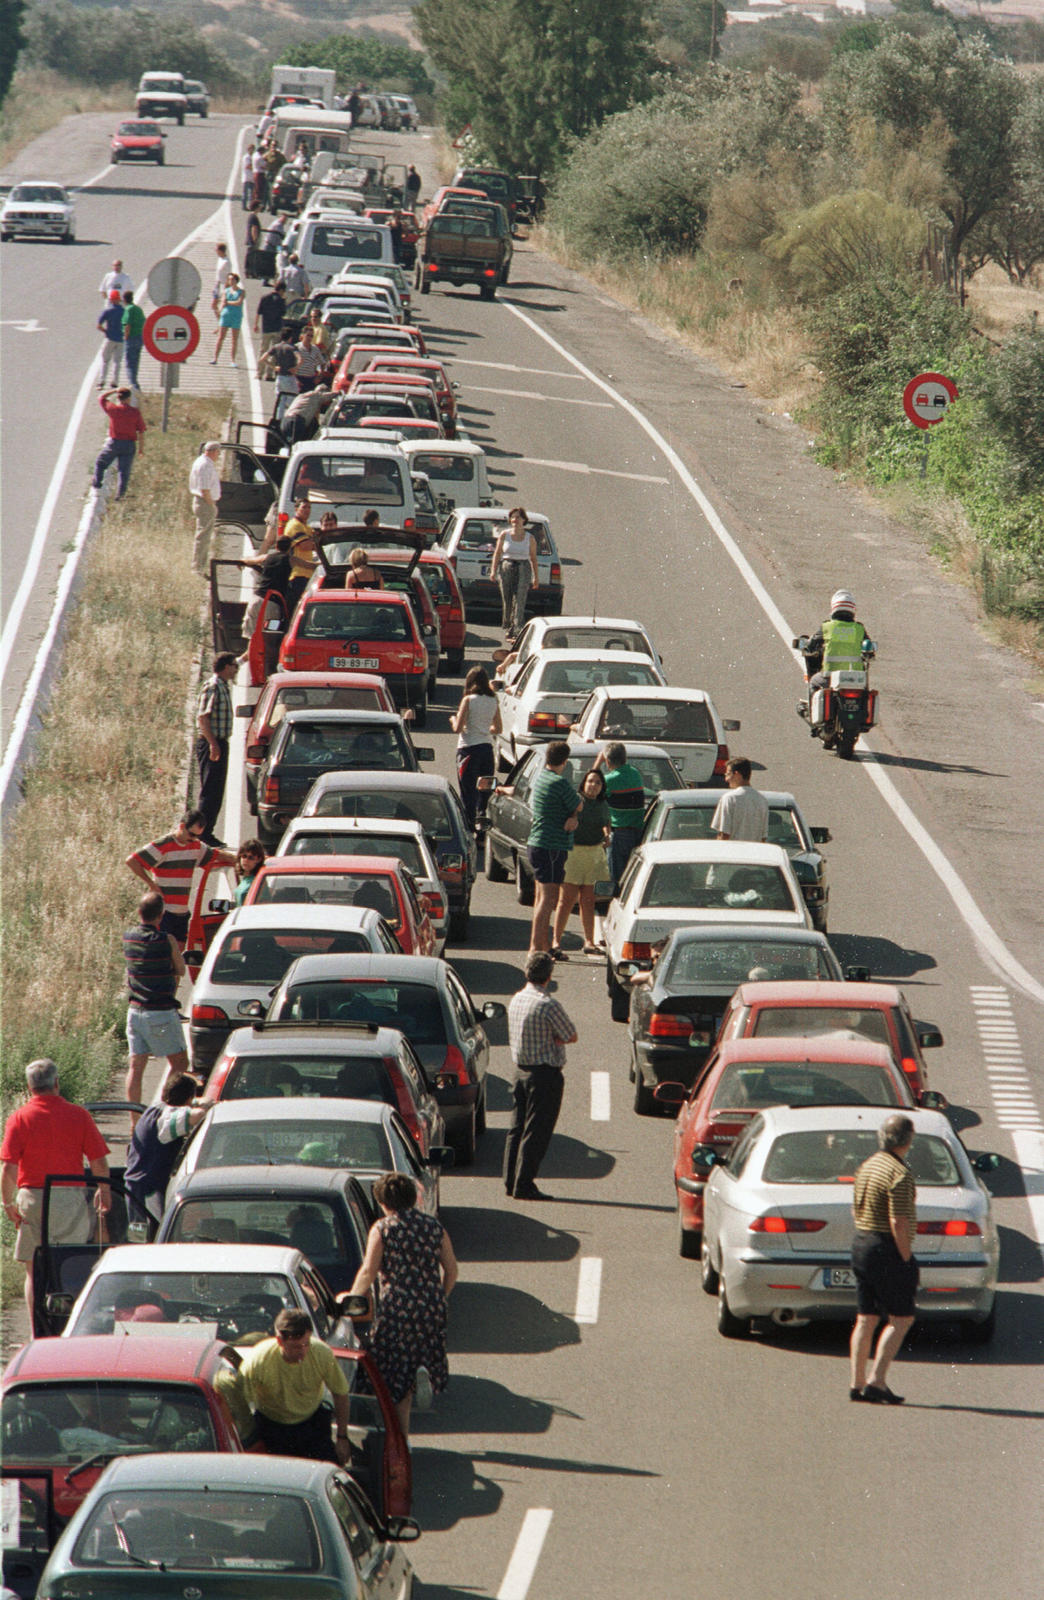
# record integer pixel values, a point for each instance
(557, 953)
(594, 949)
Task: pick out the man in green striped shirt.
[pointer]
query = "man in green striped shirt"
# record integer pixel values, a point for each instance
(625, 792)
(885, 1211)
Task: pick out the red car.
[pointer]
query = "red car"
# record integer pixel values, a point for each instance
(299, 691)
(875, 1011)
(392, 361)
(398, 334)
(361, 630)
(408, 427)
(356, 359)
(743, 1075)
(435, 203)
(381, 882)
(138, 141)
(438, 573)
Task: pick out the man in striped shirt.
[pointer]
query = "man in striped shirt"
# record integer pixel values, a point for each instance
(539, 1028)
(885, 1211)
(166, 866)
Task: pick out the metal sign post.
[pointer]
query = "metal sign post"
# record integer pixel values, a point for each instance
(170, 334)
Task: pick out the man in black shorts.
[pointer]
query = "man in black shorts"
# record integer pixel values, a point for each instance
(556, 808)
(885, 1211)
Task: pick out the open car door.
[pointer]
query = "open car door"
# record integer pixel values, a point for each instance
(60, 1270)
(209, 905)
(250, 482)
(380, 1457)
(30, 1528)
(229, 598)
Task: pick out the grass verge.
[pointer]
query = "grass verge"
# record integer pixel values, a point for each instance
(38, 100)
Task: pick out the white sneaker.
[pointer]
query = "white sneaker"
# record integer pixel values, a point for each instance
(423, 1394)
(233, 363)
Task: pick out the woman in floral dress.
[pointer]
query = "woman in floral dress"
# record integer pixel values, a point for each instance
(411, 1254)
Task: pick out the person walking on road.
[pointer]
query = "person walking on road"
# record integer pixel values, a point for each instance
(166, 866)
(126, 438)
(412, 1256)
(158, 1140)
(555, 807)
(215, 721)
(742, 812)
(625, 793)
(268, 319)
(233, 299)
(286, 1379)
(205, 488)
(116, 279)
(515, 565)
(222, 268)
(412, 188)
(260, 177)
(885, 1210)
(111, 324)
(539, 1028)
(46, 1137)
(154, 969)
(133, 335)
(247, 177)
(476, 722)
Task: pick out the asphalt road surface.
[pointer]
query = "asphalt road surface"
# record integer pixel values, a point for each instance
(599, 1437)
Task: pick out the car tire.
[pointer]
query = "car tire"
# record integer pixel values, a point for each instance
(708, 1275)
(464, 1145)
(423, 283)
(619, 998)
(729, 1325)
(204, 112)
(161, 159)
(459, 922)
(487, 291)
(644, 1104)
(68, 238)
(525, 888)
(420, 713)
(495, 870)
(114, 158)
(181, 119)
(4, 236)
(980, 1332)
(267, 837)
(455, 663)
(480, 1112)
(846, 743)
(688, 1242)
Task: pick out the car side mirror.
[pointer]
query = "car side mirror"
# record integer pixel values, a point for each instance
(403, 1530)
(929, 1038)
(703, 1158)
(932, 1100)
(251, 1008)
(424, 752)
(730, 725)
(58, 1305)
(820, 835)
(440, 1155)
(246, 711)
(984, 1161)
(222, 906)
(857, 974)
(671, 1094)
(494, 1010)
(356, 1306)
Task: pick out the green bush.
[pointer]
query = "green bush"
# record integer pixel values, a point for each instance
(102, 46)
(1013, 403)
(848, 237)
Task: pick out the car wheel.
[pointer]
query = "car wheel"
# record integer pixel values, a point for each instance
(161, 159)
(69, 238)
(423, 282)
(495, 870)
(729, 1325)
(644, 1104)
(458, 923)
(846, 743)
(487, 291)
(420, 713)
(181, 119)
(819, 919)
(708, 1276)
(619, 999)
(4, 236)
(455, 663)
(981, 1332)
(688, 1242)
(204, 112)
(114, 158)
(480, 1112)
(525, 888)
(464, 1145)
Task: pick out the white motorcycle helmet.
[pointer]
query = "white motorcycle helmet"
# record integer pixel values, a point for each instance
(842, 600)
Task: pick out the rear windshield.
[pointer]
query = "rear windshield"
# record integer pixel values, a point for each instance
(653, 721)
(736, 961)
(657, 772)
(403, 848)
(373, 480)
(66, 1422)
(717, 887)
(449, 468)
(802, 1022)
(343, 1077)
(414, 1008)
(260, 956)
(464, 226)
(311, 1226)
(594, 639)
(330, 889)
(480, 534)
(438, 583)
(322, 698)
(791, 1083)
(826, 1157)
(326, 744)
(344, 240)
(580, 677)
(694, 822)
(184, 1531)
(354, 620)
(117, 1297)
(429, 810)
(311, 1144)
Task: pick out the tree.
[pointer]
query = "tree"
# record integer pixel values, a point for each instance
(11, 40)
(943, 83)
(686, 29)
(1013, 400)
(356, 57)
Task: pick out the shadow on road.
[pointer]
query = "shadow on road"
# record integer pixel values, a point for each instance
(493, 1318)
(479, 1405)
(888, 962)
(919, 764)
(1020, 1259)
(482, 1233)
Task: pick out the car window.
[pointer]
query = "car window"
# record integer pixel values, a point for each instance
(653, 721)
(630, 874)
(387, 940)
(236, 1302)
(803, 1022)
(362, 1538)
(717, 886)
(446, 466)
(413, 1008)
(343, 697)
(262, 956)
(404, 1157)
(66, 1422)
(823, 1156)
(310, 1143)
(349, 1076)
(402, 847)
(479, 535)
(333, 889)
(376, 480)
(311, 1226)
(567, 677)
(438, 583)
(226, 1530)
(460, 1000)
(429, 809)
(352, 620)
(528, 673)
(786, 1083)
(734, 961)
(740, 1153)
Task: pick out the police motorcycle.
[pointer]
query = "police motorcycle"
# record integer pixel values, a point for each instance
(841, 705)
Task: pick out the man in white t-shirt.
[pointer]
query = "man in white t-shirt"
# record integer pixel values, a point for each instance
(205, 489)
(116, 279)
(742, 813)
(247, 177)
(222, 268)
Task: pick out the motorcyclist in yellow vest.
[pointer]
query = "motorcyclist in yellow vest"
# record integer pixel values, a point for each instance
(837, 646)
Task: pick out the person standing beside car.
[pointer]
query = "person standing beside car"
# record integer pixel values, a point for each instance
(539, 1028)
(476, 722)
(586, 865)
(205, 488)
(111, 324)
(743, 812)
(514, 564)
(555, 807)
(625, 793)
(286, 1378)
(166, 866)
(133, 335)
(273, 576)
(214, 720)
(884, 1205)
(303, 559)
(154, 969)
(158, 1139)
(268, 319)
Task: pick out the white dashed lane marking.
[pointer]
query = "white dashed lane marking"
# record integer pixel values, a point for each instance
(525, 1555)
(531, 394)
(600, 1097)
(588, 1290)
(1002, 1053)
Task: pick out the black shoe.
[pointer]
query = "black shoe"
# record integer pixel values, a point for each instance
(557, 953)
(879, 1394)
(857, 1394)
(532, 1193)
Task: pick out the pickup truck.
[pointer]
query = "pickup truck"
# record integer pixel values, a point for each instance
(465, 247)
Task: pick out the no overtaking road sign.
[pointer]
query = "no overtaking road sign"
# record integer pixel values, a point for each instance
(171, 333)
(926, 398)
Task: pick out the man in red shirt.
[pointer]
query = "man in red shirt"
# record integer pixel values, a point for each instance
(126, 437)
(46, 1137)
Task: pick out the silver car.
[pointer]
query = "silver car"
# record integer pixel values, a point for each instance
(777, 1226)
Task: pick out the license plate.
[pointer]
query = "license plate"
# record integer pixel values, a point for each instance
(838, 1278)
(362, 663)
(483, 572)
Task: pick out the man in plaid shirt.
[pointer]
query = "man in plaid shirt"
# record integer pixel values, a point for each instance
(214, 717)
(539, 1029)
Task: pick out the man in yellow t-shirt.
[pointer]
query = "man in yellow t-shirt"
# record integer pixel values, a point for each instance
(285, 1379)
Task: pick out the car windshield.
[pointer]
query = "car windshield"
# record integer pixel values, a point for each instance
(335, 239)
(250, 1300)
(653, 721)
(261, 955)
(360, 843)
(236, 1531)
(447, 467)
(332, 889)
(580, 677)
(354, 620)
(311, 1144)
(692, 820)
(38, 194)
(792, 1083)
(822, 1156)
(148, 130)
(66, 1422)
(430, 810)
(735, 961)
(658, 772)
(335, 744)
(717, 886)
(414, 1008)
(803, 1022)
(311, 1226)
(373, 480)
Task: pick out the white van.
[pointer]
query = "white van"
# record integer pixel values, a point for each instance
(325, 245)
(455, 468)
(316, 120)
(350, 479)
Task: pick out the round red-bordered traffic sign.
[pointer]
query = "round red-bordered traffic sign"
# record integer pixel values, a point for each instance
(171, 333)
(926, 398)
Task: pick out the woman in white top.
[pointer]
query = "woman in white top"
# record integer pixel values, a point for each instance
(515, 562)
(475, 722)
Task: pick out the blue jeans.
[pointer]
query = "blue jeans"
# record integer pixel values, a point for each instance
(621, 842)
(131, 357)
(122, 451)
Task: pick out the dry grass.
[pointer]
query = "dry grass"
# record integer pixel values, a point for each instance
(38, 100)
(108, 773)
(998, 304)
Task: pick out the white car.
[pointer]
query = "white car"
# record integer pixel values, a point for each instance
(38, 208)
(408, 112)
(543, 701)
(469, 536)
(580, 633)
(689, 881)
(375, 836)
(456, 469)
(681, 721)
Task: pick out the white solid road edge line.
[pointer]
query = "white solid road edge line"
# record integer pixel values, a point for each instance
(526, 1554)
(588, 1291)
(600, 1096)
(1029, 1153)
(981, 930)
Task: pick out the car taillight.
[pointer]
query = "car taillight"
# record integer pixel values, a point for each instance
(420, 660)
(409, 523)
(216, 1081)
(549, 722)
(636, 952)
(955, 1228)
(271, 792)
(489, 272)
(406, 1107)
(786, 1225)
(433, 903)
(556, 572)
(668, 1025)
(849, 694)
(284, 518)
(456, 1067)
(452, 866)
(208, 1014)
(909, 1066)
(433, 266)
(256, 752)
(455, 614)
(719, 765)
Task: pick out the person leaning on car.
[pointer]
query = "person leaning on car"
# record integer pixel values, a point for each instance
(166, 866)
(885, 1211)
(742, 813)
(284, 1379)
(625, 793)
